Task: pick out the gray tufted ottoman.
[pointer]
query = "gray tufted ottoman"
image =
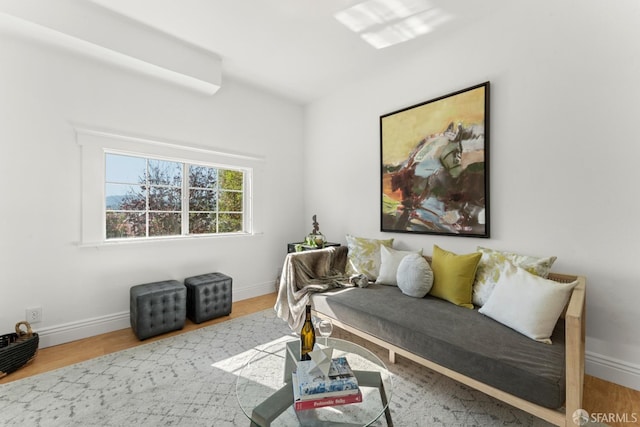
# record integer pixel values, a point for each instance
(156, 308)
(208, 296)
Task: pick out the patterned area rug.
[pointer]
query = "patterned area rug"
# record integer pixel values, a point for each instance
(189, 380)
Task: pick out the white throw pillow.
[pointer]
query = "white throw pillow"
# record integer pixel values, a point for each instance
(527, 303)
(389, 261)
(415, 276)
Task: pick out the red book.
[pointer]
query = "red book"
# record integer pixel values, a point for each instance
(301, 405)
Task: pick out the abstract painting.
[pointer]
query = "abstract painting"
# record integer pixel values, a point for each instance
(435, 166)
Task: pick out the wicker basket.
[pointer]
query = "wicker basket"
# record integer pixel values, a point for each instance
(17, 349)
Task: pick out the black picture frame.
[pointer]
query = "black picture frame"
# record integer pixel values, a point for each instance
(434, 166)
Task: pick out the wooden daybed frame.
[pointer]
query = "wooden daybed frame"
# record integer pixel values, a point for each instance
(574, 316)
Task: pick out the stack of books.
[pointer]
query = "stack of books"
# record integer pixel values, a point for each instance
(312, 389)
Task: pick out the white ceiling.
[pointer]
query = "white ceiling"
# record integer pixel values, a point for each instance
(294, 48)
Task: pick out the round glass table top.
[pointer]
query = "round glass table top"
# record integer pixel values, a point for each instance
(265, 392)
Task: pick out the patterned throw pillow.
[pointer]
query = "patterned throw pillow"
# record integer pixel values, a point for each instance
(389, 262)
(364, 256)
(489, 270)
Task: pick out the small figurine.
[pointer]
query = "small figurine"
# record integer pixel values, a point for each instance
(315, 238)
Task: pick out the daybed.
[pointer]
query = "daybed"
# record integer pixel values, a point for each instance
(545, 380)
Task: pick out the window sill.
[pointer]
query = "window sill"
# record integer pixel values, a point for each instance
(152, 240)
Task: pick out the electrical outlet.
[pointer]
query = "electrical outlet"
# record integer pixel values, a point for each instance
(34, 314)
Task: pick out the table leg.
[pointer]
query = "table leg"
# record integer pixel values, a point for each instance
(387, 411)
(373, 379)
(270, 409)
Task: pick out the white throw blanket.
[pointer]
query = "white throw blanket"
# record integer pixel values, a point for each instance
(306, 272)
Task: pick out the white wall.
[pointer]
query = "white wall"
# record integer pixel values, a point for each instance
(85, 290)
(564, 151)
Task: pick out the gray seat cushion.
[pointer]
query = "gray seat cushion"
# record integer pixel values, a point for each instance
(455, 337)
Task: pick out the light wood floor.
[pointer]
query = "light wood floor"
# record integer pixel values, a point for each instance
(599, 396)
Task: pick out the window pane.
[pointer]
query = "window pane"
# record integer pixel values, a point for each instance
(202, 223)
(125, 224)
(230, 223)
(231, 180)
(230, 201)
(125, 169)
(202, 200)
(164, 172)
(202, 177)
(125, 197)
(164, 224)
(164, 198)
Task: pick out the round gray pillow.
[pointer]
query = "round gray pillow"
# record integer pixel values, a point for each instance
(415, 276)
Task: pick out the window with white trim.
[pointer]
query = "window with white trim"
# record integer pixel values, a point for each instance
(152, 197)
(147, 190)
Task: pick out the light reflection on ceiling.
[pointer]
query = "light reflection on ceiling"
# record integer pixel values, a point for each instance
(383, 23)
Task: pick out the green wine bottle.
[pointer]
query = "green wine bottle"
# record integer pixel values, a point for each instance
(307, 336)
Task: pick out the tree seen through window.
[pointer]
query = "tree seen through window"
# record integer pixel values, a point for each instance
(144, 198)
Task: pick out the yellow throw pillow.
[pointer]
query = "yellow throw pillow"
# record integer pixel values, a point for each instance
(453, 276)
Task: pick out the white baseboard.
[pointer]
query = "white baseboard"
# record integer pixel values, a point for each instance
(60, 334)
(252, 291)
(73, 331)
(613, 370)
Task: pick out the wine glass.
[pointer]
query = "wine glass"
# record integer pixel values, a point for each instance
(325, 328)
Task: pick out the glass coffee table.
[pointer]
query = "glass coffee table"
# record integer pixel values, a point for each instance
(265, 393)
